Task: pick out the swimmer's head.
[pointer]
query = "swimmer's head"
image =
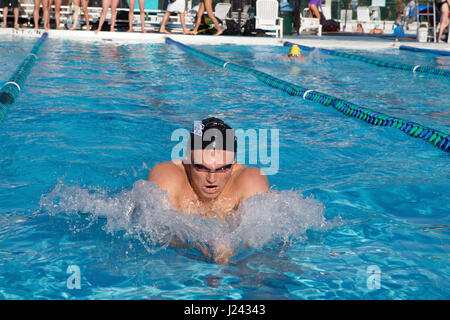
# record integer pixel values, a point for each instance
(212, 133)
(210, 157)
(377, 24)
(295, 51)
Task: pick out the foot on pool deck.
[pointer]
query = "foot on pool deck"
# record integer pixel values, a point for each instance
(218, 33)
(164, 31)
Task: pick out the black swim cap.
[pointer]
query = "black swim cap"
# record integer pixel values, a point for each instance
(212, 133)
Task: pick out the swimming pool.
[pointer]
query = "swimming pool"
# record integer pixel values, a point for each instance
(358, 211)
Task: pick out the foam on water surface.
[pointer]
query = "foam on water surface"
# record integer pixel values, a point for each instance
(145, 213)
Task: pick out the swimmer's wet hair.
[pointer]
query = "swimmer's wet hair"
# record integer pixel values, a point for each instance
(212, 133)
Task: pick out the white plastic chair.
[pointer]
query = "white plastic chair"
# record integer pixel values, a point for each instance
(363, 17)
(266, 17)
(347, 12)
(244, 14)
(363, 14)
(309, 24)
(221, 10)
(326, 10)
(374, 13)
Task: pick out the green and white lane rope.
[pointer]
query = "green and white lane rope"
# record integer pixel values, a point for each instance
(433, 136)
(11, 89)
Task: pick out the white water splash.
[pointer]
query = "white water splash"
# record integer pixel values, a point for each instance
(144, 212)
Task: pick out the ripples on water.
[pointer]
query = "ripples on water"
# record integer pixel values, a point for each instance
(99, 116)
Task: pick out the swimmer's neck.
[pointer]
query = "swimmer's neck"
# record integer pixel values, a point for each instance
(210, 207)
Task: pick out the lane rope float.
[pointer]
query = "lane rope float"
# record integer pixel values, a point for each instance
(11, 89)
(376, 62)
(433, 136)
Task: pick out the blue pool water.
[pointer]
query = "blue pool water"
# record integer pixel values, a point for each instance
(349, 199)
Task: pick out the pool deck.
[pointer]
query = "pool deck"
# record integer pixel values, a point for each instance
(135, 37)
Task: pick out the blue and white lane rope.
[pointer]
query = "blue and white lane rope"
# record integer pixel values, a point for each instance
(376, 62)
(11, 89)
(435, 137)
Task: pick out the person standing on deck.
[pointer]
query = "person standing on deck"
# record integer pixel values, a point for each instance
(57, 14)
(106, 4)
(15, 6)
(46, 12)
(76, 13)
(141, 13)
(206, 5)
(175, 6)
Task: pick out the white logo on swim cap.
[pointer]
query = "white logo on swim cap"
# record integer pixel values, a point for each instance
(197, 129)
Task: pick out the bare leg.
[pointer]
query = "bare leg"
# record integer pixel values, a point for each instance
(114, 4)
(5, 16)
(209, 10)
(183, 22)
(37, 4)
(142, 14)
(105, 7)
(444, 19)
(314, 11)
(57, 14)
(163, 23)
(200, 12)
(84, 4)
(76, 14)
(16, 18)
(47, 4)
(131, 15)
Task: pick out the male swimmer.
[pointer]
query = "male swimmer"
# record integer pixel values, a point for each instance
(294, 54)
(208, 181)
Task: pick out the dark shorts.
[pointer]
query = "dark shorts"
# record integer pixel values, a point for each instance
(9, 3)
(439, 4)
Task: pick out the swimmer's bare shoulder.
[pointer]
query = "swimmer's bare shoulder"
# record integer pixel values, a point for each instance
(251, 181)
(169, 176)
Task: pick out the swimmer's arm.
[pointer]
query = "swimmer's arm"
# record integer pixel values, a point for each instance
(223, 254)
(180, 244)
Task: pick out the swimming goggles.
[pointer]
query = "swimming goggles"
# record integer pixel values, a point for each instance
(202, 168)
